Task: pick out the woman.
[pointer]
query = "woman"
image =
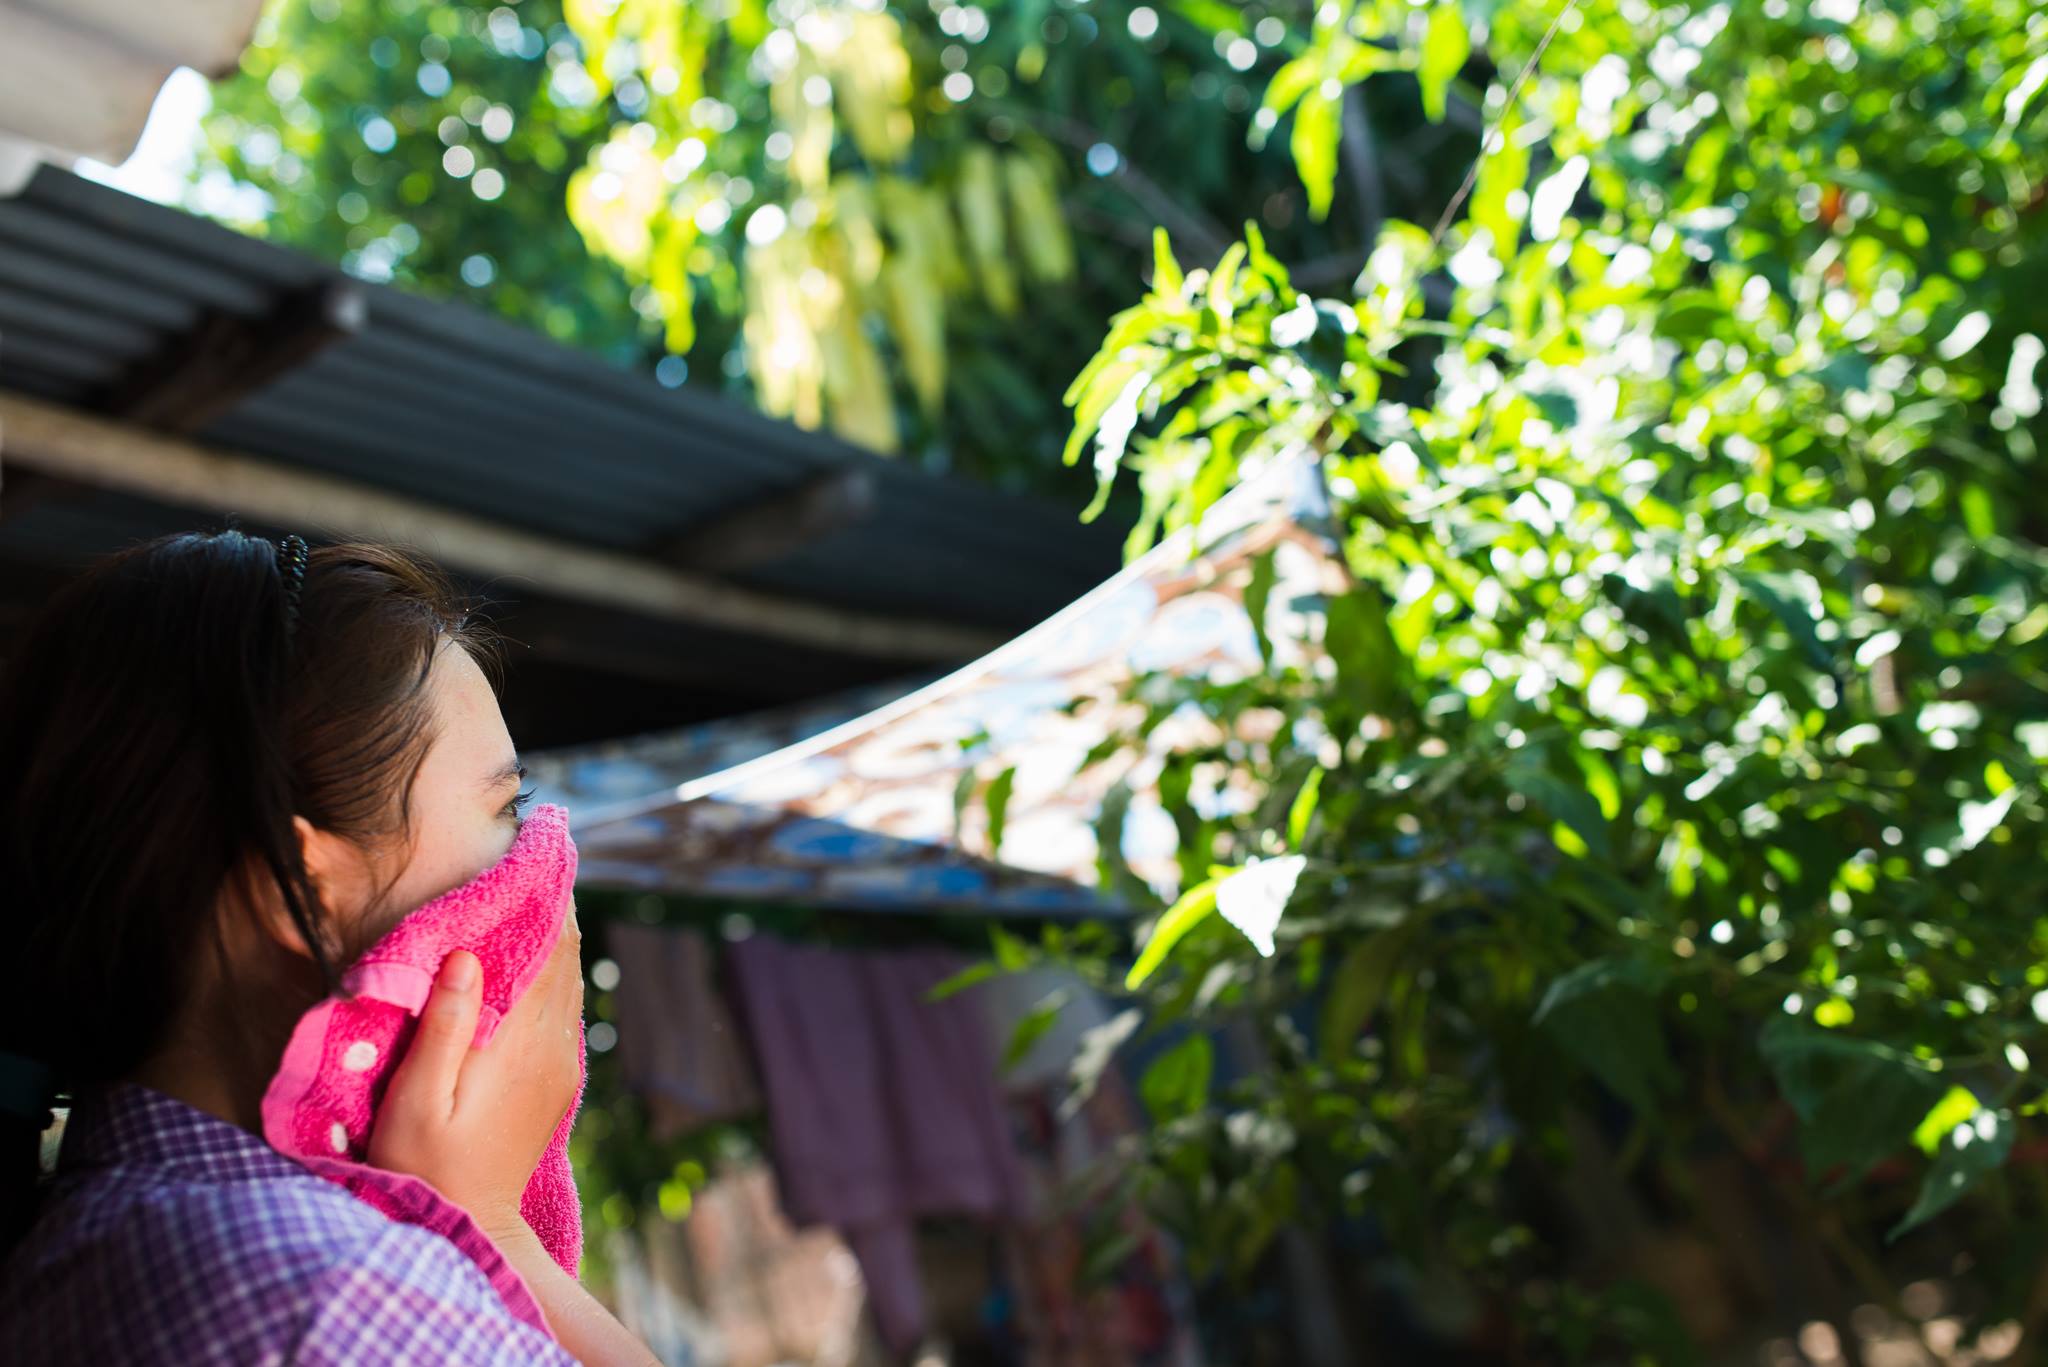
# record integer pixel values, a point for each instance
(225, 769)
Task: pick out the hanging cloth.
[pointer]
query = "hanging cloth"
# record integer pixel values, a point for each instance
(679, 1047)
(883, 1105)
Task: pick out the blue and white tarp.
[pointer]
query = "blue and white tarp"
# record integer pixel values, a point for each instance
(856, 801)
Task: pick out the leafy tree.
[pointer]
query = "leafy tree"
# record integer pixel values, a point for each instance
(884, 191)
(428, 145)
(950, 310)
(1675, 804)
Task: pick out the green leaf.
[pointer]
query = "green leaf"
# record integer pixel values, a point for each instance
(1562, 799)
(1858, 1101)
(1703, 162)
(1318, 123)
(1177, 1082)
(1958, 1106)
(980, 205)
(1011, 954)
(1167, 279)
(1115, 873)
(1504, 170)
(963, 793)
(1104, 388)
(1370, 666)
(1830, 525)
(1603, 1014)
(997, 802)
(1690, 314)
(1211, 482)
(1098, 1047)
(1303, 808)
(1195, 905)
(1791, 598)
(1271, 1209)
(961, 981)
(1033, 1027)
(1657, 610)
(1223, 281)
(1257, 594)
(1978, 517)
(1446, 43)
(1601, 781)
(1288, 85)
(1130, 330)
(2023, 87)
(1361, 60)
(1358, 987)
(1263, 264)
(1966, 1156)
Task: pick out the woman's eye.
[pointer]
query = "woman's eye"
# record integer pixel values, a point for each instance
(517, 806)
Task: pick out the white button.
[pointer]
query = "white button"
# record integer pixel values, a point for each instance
(360, 1056)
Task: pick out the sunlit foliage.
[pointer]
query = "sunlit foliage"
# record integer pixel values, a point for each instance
(943, 237)
(1681, 765)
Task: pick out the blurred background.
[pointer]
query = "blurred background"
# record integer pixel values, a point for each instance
(1242, 683)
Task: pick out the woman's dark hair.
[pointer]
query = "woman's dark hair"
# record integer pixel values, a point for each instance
(160, 726)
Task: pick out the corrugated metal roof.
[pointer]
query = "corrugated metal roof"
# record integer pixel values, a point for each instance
(439, 402)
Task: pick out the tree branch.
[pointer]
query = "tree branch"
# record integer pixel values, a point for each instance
(1128, 231)
(1203, 236)
(1362, 162)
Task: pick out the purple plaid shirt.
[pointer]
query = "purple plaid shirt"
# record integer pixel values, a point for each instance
(173, 1236)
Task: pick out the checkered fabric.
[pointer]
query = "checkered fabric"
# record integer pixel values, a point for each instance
(172, 1236)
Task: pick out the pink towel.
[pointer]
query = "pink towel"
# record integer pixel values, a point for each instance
(323, 1101)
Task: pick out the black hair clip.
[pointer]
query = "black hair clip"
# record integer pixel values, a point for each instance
(291, 564)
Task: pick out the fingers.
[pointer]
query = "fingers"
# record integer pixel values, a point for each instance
(428, 1073)
(558, 1019)
(560, 987)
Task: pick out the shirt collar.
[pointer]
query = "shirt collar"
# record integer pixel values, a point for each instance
(126, 1123)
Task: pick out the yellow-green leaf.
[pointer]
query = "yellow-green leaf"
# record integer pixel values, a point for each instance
(1223, 280)
(1288, 85)
(917, 320)
(1196, 905)
(1601, 782)
(1317, 124)
(1167, 280)
(1504, 171)
(1104, 388)
(1358, 987)
(1446, 43)
(1303, 809)
(1041, 225)
(1957, 1106)
(981, 214)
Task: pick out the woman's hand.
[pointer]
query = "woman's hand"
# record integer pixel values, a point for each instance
(474, 1122)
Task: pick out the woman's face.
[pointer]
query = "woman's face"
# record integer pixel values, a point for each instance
(462, 812)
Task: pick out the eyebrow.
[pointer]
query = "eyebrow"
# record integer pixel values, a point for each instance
(513, 771)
